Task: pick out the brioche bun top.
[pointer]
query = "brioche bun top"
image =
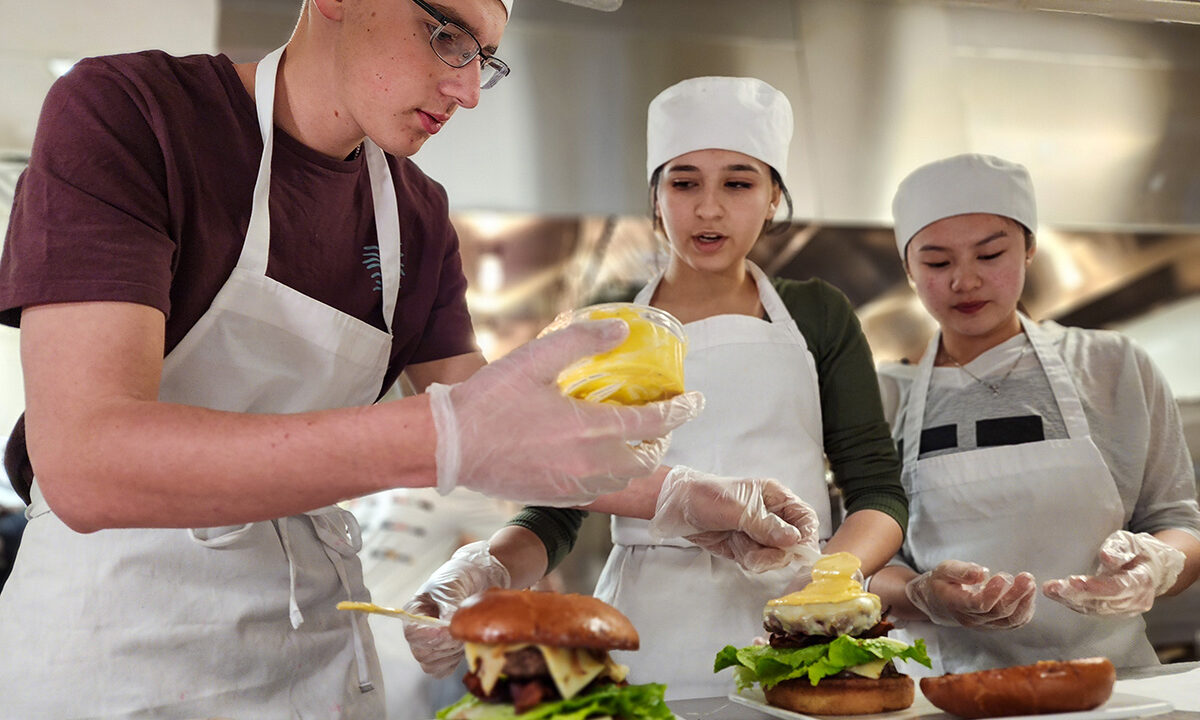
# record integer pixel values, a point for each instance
(497, 617)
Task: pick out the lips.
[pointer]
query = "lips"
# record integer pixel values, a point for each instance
(709, 242)
(432, 122)
(970, 308)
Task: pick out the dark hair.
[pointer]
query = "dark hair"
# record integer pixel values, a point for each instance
(770, 227)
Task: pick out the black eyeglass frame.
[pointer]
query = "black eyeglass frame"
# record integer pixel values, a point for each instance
(499, 68)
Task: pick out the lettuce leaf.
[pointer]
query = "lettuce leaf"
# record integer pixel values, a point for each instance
(770, 666)
(631, 702)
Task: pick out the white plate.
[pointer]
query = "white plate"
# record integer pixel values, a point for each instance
(1119, 705)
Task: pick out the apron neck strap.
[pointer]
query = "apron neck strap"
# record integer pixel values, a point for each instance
(1061, 384)
(257, 246)
(1055, 369)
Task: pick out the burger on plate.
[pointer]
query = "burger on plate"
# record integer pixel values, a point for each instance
(828, 653)
(543, 655)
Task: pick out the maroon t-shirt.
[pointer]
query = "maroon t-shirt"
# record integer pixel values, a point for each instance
(139, 190)
(139, 186)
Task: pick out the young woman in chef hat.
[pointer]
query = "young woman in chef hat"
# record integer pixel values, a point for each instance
(1033, 453)
(789, 385)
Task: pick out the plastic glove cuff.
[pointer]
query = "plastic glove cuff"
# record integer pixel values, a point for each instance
(449, 451)
(657, 530)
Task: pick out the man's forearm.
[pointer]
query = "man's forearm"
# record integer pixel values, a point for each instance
(149, 464)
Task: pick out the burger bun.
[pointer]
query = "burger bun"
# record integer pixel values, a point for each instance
(502, 617)
(842, 696)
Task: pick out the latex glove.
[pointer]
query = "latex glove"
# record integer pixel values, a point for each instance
(756, 522)
(508, 431)
(1133, 570)
(966, 594)
(470, 570)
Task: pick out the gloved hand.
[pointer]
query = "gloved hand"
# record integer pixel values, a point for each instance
(963, 593)
(508, 431)
(470, 570)
(756, 522)
(1134, 569)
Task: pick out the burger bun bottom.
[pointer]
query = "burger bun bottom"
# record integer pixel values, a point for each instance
(842, 696)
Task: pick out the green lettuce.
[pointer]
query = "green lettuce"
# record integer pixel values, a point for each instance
(770, 666)
(631, 702)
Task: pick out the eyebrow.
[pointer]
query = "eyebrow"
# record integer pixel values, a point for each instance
(994, 236)
(737, 167)
(457, 19)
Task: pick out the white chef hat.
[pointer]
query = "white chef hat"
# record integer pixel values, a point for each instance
(608, 5)
(725, 113)
(959, 185)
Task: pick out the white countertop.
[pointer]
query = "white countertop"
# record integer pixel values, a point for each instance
(1178, 684)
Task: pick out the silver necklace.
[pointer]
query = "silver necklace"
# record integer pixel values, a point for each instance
(995, 388)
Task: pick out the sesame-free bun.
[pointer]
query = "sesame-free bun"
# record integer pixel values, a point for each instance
(1048, 686)
(842, 696)
(497, 617)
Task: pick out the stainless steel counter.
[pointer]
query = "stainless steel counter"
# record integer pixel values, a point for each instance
(725, 709)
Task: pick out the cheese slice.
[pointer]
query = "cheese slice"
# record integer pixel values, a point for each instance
(570, 668)
(871, 669)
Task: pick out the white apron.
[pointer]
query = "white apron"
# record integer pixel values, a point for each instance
(762, 418)
(1042, 507)
(238, 621)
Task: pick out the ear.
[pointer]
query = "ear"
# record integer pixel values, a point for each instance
(330, 9)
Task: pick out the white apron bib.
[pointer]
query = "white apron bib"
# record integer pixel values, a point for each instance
(1042, 507)
(234, 621)
(762, 418)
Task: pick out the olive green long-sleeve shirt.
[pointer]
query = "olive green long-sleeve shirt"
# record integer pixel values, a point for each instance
(857, 439)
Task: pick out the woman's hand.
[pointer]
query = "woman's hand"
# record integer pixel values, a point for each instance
(1134, 569)
(756, 522)
(966, 594)
(472, 569)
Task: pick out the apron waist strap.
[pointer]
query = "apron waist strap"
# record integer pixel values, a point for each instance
(632, 531)
(338, 544)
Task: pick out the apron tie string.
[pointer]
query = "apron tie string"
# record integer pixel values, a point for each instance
(340, 537)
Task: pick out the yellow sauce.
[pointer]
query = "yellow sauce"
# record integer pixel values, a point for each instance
(647, 366)
(832, 582)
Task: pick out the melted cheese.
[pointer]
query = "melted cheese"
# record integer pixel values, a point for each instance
(834, 603)
(570, 668)
(832, 582)
(646, 366)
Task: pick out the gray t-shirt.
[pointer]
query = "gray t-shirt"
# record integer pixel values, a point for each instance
(961, 413)
(1132, 417)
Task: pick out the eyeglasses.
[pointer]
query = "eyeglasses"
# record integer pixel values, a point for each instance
(456, 46)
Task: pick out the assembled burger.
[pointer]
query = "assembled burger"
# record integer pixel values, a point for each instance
(542, 655)
(829, 653)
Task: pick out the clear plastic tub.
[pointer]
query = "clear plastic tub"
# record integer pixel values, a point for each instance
(647, 366)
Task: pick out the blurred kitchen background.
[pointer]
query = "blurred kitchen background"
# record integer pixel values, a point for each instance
(546, 178)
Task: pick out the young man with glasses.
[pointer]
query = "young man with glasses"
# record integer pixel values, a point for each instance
(217, 269)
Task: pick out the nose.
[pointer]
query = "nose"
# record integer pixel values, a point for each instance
(965, 278)
(709, 205)
(462, 84)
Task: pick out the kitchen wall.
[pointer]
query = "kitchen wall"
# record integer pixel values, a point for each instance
(547, 179)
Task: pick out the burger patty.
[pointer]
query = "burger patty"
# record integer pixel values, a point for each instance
(785, 640)
(525, 681)
(525, 663)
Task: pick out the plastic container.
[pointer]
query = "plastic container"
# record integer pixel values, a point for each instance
(647, 366)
